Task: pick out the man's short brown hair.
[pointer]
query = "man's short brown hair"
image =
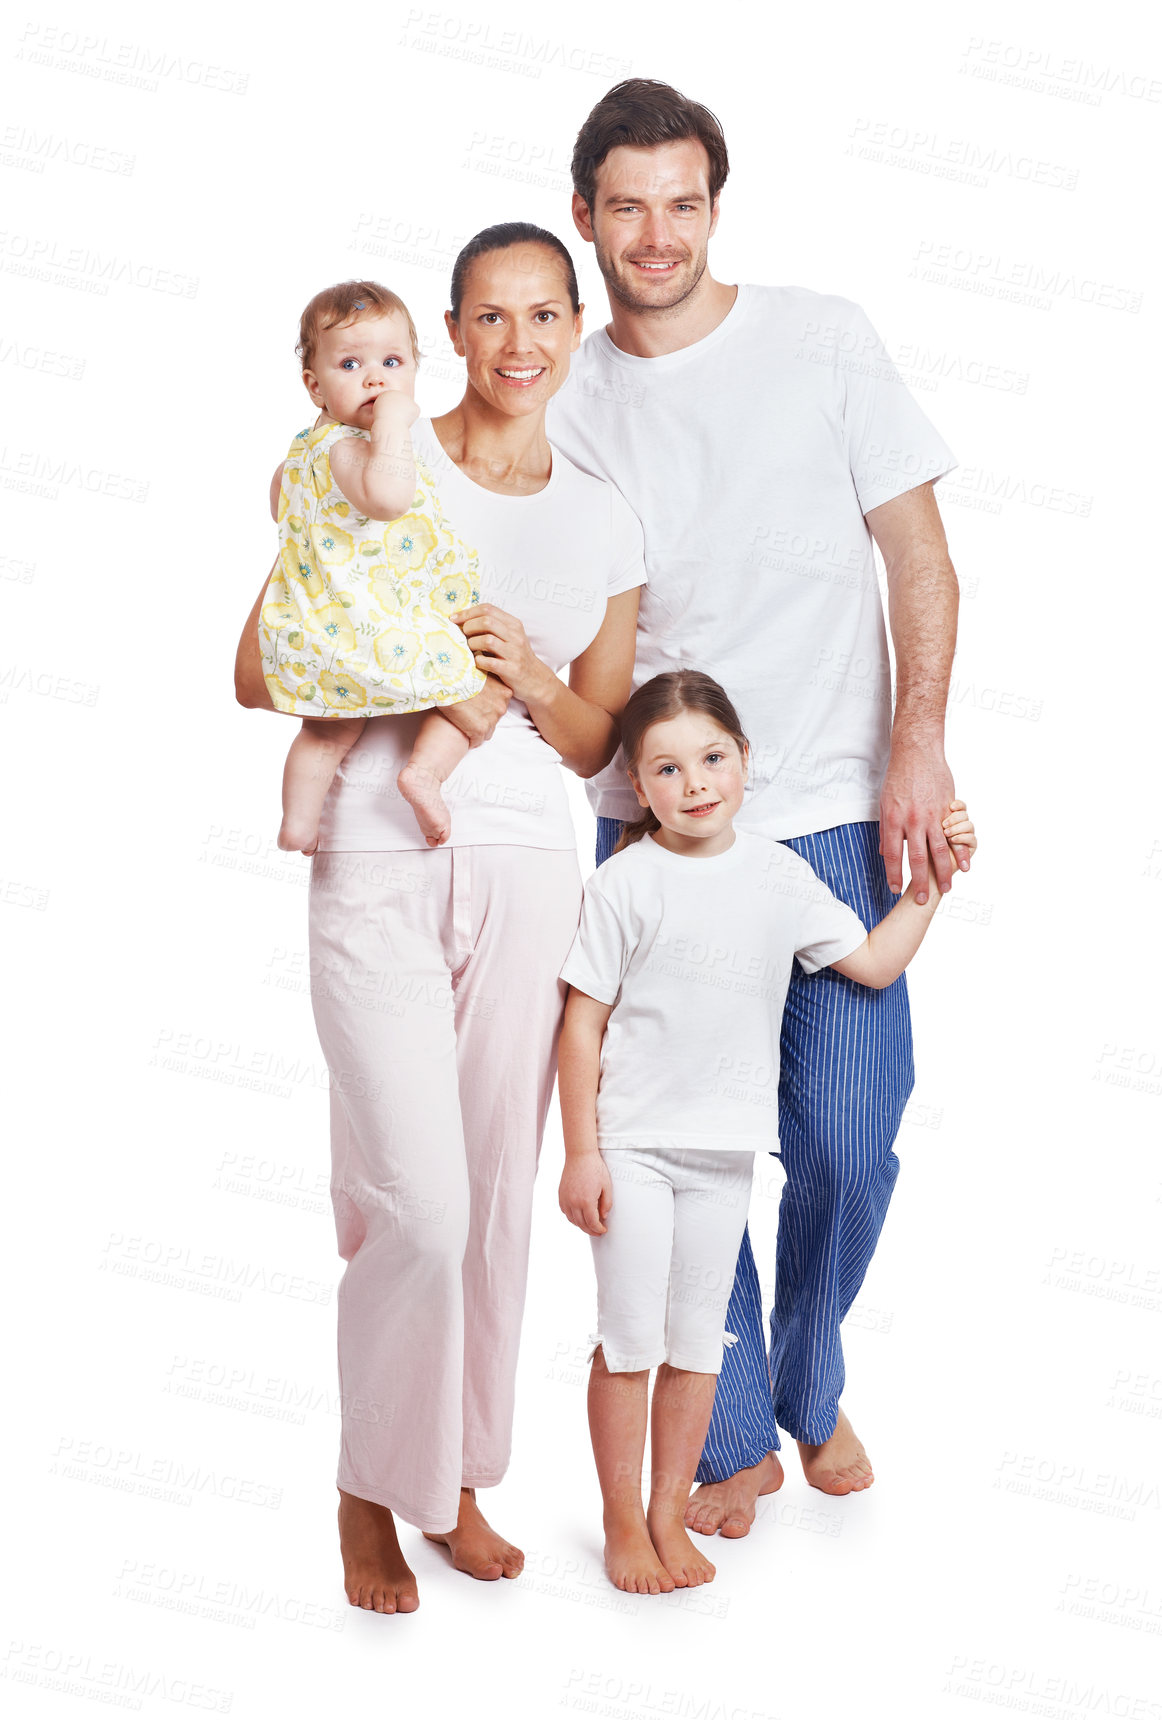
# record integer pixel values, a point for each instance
(642, 112)
(349, 302)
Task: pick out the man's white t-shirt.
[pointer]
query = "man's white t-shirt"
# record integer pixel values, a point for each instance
(552, 559)
(695, 956)
(751, 459)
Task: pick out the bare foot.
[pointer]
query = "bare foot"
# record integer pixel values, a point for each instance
(840, 1464)
(631, 1559)
(297, 836)
(475, 1545)
(375, 1572)
(421, 787)
(676, 1550)
(728, 1507)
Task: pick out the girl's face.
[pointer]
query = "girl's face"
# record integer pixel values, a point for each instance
(691, 774)
(517, 328)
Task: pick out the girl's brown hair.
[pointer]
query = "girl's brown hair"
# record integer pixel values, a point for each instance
(657, 701)
(349, 302)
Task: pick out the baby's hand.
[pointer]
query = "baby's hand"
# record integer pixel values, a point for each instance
(394, 410)
(586, 1193)
(959, 833)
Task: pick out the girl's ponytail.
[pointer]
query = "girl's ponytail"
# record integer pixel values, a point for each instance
(657, 701)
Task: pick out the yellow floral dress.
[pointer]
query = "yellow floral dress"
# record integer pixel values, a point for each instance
(355, 621)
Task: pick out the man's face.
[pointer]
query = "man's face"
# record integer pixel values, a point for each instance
(650, 223)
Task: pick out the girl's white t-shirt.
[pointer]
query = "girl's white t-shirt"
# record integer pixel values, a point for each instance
(695, 957)
(751, 459)
(552, 559)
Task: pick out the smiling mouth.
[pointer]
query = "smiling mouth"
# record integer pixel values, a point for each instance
(655, 265)
(521, 378)
(701, 811)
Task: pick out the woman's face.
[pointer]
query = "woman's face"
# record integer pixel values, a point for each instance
(516, 328)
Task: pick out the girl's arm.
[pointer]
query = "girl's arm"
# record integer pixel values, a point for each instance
(378, 477)
(579, 720)
(586, 1192)
(891, 945)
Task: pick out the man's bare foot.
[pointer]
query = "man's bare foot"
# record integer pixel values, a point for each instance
(728, 1507)
(676, 1550)
(475, 1545)
(375, 1573)
(840, 1464)
(631, 1559)
(298, 836)
(421, 787)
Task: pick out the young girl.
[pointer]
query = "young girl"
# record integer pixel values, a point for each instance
(356, 621)
(669, 1072)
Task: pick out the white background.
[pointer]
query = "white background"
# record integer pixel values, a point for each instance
(176, 185)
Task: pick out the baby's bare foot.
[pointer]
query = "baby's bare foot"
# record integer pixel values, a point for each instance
(686, 1565)
(298, 835)
(631, 1559)
(421, 788)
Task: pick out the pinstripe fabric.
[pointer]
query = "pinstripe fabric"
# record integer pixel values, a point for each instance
(846, 1056)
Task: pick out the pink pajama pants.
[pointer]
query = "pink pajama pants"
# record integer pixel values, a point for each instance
(437, 1002)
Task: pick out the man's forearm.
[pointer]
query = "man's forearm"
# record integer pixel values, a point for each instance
(923, 598)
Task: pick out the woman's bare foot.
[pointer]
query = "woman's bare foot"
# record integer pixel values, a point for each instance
(631, 1559)
(840, 1464)
(375, 1573)
(676, 1550)
(298, 836)
(728, 1507)
(475, 1546)
(421, 788)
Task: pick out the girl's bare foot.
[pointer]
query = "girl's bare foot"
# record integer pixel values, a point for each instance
(686, 1565)
(840, 1464)
(728, 1507)
(375, 1572)
(476, 1547)
(631, 1559)
(421, 788)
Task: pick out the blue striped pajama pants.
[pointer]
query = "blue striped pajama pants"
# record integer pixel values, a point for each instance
(846, 1057)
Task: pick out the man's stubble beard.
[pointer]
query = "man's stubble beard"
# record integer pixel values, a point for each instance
(618, 289)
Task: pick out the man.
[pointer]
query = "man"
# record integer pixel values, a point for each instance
(764, 440)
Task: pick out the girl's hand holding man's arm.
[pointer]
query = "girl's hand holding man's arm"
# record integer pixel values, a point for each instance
(586, 1192)
(891, 945)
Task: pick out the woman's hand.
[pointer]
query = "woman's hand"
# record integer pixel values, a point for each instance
(586, 1192)
(500, 646)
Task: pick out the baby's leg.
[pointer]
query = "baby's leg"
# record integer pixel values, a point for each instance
(439, 747)
(316, 753)
(632, 1260)
(711, 1196)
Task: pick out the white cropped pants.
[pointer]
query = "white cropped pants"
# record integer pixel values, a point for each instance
(665, 1265)
(438, 1006)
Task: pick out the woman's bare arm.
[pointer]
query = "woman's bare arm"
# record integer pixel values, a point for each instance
(249, 682)
(579, 720)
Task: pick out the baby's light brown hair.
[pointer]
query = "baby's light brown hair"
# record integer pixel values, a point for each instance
(349, 302)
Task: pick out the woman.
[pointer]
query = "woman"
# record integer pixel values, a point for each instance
(435, 982)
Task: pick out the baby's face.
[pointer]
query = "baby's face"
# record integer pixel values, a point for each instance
(355, 362)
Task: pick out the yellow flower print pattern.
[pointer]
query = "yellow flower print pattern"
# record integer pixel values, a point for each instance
(355, 619)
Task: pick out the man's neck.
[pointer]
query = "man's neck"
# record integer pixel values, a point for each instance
(651, 334)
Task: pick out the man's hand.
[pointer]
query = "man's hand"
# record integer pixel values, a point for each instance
(478, 716)
(916, 795)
